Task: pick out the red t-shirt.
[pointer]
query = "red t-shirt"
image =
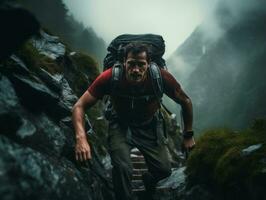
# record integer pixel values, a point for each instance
(127, 108)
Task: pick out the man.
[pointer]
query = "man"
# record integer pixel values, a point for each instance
(137, 121)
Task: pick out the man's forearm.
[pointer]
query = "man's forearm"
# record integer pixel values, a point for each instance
(78, 121)
(187, 113)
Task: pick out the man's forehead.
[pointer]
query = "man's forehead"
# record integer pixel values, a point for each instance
(137, 56)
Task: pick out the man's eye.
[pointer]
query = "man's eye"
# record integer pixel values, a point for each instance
(141, 64)
(131, 63)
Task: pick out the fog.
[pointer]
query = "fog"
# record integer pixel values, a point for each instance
(175, 20)
(212, 46)
(220, 17)
(217, 66)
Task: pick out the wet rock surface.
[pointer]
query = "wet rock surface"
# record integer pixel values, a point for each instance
(36, 133)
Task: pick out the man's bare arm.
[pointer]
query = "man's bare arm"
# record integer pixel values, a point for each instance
(187, 113)
(82, 148)
(187, 110)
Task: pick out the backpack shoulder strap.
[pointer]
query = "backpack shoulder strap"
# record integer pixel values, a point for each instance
(156, 78)
(117, 72)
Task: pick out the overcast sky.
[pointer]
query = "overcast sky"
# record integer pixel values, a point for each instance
(173, 19)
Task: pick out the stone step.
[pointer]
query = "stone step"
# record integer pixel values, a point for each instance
(139, 165)
(139, 171)
(158, 189)
(136, 181)
(135, 151)
(136, 157)
(137, 184)
(137, 177)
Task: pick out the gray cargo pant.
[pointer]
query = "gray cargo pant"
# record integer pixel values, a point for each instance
(122, 138)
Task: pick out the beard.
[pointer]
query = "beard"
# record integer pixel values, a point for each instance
(135, 77)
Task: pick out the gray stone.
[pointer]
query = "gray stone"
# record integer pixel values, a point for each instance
(20, 63)
(174, 181)
(8, 97)
(49, 80)
(68, 98)
(247, 151)
(49, 45)
(35, 87)
(26, 129)
(28, 174)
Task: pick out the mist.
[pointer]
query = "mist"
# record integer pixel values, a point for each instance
(175, 20)
(219, 62)
(210, 46)
(220, 16)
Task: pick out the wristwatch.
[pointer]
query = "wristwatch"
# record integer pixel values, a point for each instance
(187, 134)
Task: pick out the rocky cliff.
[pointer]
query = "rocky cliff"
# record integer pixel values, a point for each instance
(39, 84)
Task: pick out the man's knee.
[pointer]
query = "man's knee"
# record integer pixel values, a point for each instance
(165, 172)
(121, 161)
(123, 167)
(162, 172)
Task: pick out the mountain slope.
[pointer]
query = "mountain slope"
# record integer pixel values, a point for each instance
(226, 82)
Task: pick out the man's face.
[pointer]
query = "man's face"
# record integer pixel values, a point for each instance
(136, 67)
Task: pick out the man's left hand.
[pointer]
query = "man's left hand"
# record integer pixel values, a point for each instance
(189, 143)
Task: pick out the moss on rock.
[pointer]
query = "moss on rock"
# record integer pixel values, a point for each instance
(232, 164)
(34, 60)
(86, 64)
(86, 70)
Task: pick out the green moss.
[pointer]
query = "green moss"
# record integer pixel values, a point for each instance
(86, 64)
(218, 161)
(34, 60)
(86, 71)
(210, 146)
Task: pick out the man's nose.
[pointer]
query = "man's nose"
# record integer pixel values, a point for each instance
(135, 68)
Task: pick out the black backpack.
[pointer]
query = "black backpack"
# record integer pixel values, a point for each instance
(155, 42)
(114, 59)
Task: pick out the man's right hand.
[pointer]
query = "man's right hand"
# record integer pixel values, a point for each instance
(82, 149)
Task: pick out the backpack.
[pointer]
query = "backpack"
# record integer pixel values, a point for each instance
(114, 59)
(155, 42)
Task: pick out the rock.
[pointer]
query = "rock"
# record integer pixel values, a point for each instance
(35, 95)
(49, 45)
(28, 174)
(176, 179)
(50, 81)
(72, 53)
(19, 67)
(68, 98)
(59, 84)
(9, 103)
(247, 151)
(36, 133)
(8, 97)
(26, 129)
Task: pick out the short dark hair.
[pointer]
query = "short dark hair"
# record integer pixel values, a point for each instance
(136, 48)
